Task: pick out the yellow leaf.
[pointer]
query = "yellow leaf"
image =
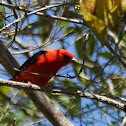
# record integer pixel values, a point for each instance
(101, 15)
(123, 6)
(94, 23)
(89, 5)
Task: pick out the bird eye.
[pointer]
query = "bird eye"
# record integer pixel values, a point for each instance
(66, 57)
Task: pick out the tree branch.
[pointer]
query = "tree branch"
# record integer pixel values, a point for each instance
(11, 6)
(29, 87)
(44, 15)
(120, 59)
(37, 12)
(42, 102)
(124, 122)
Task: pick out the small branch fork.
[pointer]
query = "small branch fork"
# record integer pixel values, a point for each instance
(37, 12)
(11, 6)
(27, 86)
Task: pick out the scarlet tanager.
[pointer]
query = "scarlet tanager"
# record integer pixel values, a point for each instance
(43, 62)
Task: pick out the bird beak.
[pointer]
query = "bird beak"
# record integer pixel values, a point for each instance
(74, 60)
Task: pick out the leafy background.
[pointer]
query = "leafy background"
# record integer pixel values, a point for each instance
(102, 20)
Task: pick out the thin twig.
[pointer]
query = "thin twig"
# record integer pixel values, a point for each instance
(8, 106)
(38, 74)
(42, 45)
(33, 123)
(70, 105)
(120, 59)
(91, 81)
(124, 121)
(42, 14)
(41, 9)
(37, 12)
(16, 27)
(83, 49)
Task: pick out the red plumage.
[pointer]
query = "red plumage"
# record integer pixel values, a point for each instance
(43, 62)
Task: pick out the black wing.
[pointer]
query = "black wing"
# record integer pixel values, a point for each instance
(30, 61)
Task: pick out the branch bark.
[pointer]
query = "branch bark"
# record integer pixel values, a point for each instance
(30, 87)
(42, 102)
(120, 59)
(37, 12)
(124, 122)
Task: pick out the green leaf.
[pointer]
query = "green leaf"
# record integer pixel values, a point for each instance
(90, 45)
(121, 36)
(106, 55)
(70, 84)
(2, 16)
(119, 85)
(5, 89)
(79, 45)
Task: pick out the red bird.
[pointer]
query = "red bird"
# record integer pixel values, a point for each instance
(43, 62)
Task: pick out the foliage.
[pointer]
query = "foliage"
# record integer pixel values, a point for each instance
(103, 74)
